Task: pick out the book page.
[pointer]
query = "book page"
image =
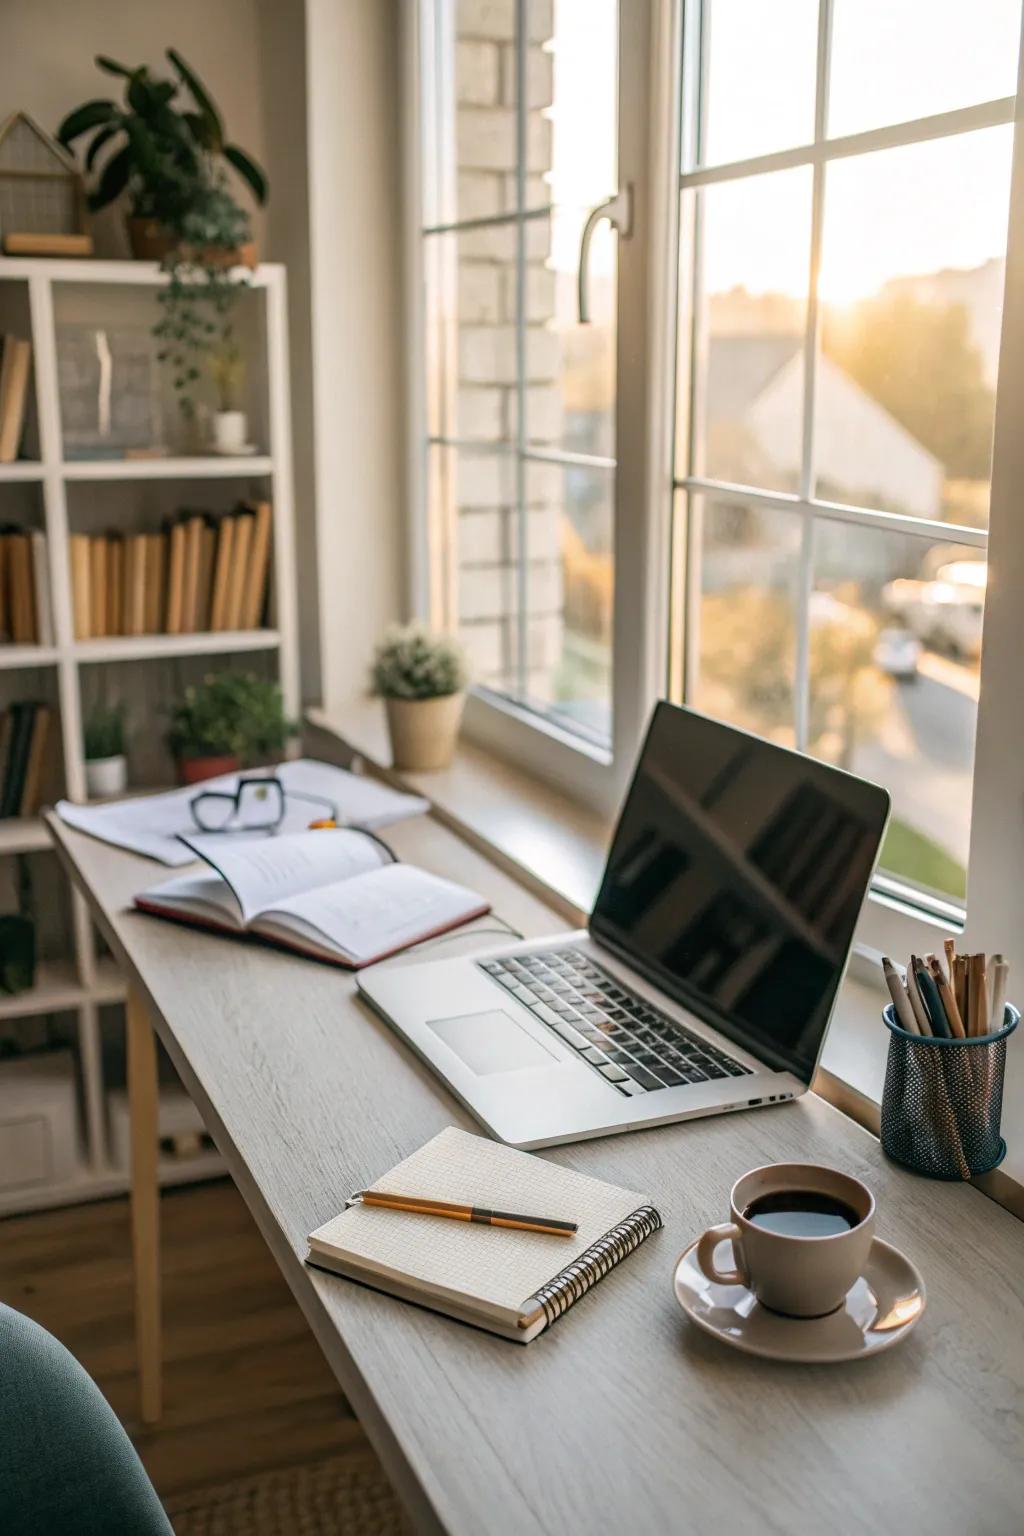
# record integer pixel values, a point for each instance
(497, 1266)
(369, 917)
(204, 896)
(266, 872)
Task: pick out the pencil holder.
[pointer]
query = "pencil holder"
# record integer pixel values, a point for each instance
(943, 1099)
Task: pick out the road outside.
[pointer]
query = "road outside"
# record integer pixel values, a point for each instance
(923, 751)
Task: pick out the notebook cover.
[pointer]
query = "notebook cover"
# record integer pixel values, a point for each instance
(486, 1275)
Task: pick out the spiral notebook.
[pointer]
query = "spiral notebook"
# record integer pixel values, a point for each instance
(513, 1283)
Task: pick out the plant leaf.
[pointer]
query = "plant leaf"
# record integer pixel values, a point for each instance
(87, 116)
(250, 172)
(99, 139)
(112, 67)
(114, 178)
(199, 126)
(142, 96)
(202, 97)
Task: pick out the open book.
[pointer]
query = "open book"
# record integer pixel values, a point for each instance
(334, 894)
(513, 1283)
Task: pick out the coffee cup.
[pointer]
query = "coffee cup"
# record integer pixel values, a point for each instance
(800, 1237)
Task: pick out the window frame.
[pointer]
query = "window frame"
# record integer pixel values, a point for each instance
(660, 65)
(647, 161)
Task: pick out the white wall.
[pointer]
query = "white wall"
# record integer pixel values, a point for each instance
(288, 75)
(352, 73)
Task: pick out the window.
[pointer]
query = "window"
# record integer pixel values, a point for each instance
(760, 479)
(521, 137)
(845, 192)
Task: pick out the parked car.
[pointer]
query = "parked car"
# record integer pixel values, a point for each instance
(946, 613)
(897, 653)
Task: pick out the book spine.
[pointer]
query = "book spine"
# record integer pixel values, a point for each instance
(594, 1263)
(81, 581)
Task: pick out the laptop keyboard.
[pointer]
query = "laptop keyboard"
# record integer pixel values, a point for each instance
(634, 1047)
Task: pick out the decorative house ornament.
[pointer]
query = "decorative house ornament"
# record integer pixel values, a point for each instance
(42, 198)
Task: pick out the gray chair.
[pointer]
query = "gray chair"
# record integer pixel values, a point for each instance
(66, 1464)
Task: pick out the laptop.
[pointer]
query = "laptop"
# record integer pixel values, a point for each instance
(707, 975)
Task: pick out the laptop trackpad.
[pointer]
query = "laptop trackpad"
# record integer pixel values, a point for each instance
(491, 1042)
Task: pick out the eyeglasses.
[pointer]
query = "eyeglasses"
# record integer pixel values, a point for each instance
(257, 804)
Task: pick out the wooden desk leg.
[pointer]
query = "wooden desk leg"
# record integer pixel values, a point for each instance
(143, 1103)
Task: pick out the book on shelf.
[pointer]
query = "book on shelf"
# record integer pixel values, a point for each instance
(26, 615)
(23, 736)
(200, 574)
(244, 521)
(80, 554)
(15, 359)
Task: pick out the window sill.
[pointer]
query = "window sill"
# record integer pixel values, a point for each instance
(556, 847)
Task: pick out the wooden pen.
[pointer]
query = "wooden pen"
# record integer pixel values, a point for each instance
(422, 1205)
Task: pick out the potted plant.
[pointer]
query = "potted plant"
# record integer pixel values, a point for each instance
(421, 677)
(106, 767)
(165, 146)
(229, 720)
(230, 425)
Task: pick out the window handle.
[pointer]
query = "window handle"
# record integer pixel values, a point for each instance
(618, 210)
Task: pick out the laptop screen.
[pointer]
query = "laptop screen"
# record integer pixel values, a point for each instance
(735, 878)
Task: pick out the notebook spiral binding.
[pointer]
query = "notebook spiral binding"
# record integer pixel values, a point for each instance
(592, 1265)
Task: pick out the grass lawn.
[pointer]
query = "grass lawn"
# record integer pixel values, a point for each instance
(913, 856)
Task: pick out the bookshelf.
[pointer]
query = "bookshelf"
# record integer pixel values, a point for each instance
(36, 296)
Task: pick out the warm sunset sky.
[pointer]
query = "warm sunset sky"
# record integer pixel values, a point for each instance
(914, 210)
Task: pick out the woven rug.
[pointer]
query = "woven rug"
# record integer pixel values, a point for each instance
(340, 1496)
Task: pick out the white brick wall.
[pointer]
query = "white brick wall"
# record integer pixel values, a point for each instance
(488, 521)
(478, 73)
(480, 414)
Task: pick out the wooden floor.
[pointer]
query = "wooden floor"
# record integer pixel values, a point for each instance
(245, 1386)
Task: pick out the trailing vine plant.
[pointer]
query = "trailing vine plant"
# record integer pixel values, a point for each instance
(165, 146)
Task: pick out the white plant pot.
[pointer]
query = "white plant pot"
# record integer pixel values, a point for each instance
(106, 776)
(230, 431)
(424, 731)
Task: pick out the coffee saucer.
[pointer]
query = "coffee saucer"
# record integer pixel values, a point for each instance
(880, 1309)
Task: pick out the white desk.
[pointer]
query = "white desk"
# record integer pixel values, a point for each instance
(623, 1418)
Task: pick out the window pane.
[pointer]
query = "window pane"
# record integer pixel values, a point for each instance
(756, 246)
(574, 81)
(760, 76)
(894, 645)
(912, 280)
(894, 60)
(746, 630)
(475, 532)
(570, 593)
(471, 334)
(469, 133)
(570, 389)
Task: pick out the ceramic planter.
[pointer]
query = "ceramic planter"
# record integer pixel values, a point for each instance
(424, 731)
(193, 770)
(106, 776)
(230, 430)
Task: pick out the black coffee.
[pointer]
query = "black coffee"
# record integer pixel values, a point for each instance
(801, 1213)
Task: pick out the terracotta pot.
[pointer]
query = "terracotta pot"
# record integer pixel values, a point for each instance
(424, 731)
(193, 770)
(152, 241)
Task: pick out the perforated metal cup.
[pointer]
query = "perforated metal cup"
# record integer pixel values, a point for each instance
(943, 1099)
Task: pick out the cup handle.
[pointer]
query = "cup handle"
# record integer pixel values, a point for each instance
(727, 1231)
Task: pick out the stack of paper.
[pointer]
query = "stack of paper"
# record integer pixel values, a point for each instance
(154, 824)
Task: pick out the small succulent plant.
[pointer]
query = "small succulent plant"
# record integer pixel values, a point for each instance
(413, 663)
